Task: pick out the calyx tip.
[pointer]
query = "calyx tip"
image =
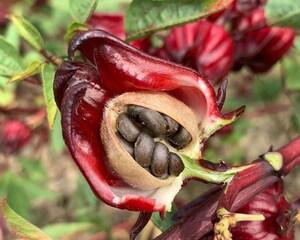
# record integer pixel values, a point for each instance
(275, 159)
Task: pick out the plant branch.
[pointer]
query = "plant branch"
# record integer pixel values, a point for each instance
(50, 57)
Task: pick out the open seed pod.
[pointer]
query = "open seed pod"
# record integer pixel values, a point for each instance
(121, 101)
(128, 168)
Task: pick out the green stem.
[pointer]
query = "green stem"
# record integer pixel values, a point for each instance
(193, 169)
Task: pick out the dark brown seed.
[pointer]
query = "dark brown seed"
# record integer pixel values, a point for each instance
(153, 121)
(143, 149)
(172, 126)
(128, 146)
(180, 139)
(175, 164)
(134, 110)
(160, 159)
(127, 128)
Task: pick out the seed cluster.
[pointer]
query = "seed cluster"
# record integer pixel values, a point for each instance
(137, 129)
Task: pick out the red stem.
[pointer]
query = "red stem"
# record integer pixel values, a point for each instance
(291, 156)
(196, 219)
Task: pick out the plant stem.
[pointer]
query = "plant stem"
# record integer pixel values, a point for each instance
(195, 170)
(51, 58)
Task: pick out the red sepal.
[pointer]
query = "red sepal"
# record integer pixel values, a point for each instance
(273, 205)
(202, 45)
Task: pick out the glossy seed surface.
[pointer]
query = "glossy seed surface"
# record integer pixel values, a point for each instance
(172, 126)
(127, 128)
(140, 131)
(180, 139)
(150, 119)
(127, 145)
(134, 111)
(143, 149)
(160, 158)
(175, 164)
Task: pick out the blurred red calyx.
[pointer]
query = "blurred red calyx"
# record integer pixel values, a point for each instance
(277, 212)
(14, 136)
(114, 24)
(237, 9)
(203, 46)
(82, 90)
(257, 45)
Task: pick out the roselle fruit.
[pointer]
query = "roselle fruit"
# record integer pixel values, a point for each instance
(278, 223)
(257, 45)
(135, 124)
(203, 46)
(14, 135)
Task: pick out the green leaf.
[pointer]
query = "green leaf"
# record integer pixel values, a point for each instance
(20, 192)
(148, 16)
(21, 227)
(33, 170)
(30, 57)
(283, 13)
(112, 6)
(31, 70)
(60, 230)
(10, 59)
(48, 72)
(73, 29)
(163, 224)
(57, 141)
(291, 73)
(28, 32)
(15, 190)
(297, 43)
(7, 92)
(11, 35)
(82, 9)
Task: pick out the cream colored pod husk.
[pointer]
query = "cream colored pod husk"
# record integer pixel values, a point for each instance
(119, 159)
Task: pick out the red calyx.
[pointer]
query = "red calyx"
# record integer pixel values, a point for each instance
(82, 90)
(276, 210)
(237, 9)
(114, 24)
(245, 6)
(14, 136)
(259, 46)
(202, 45)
